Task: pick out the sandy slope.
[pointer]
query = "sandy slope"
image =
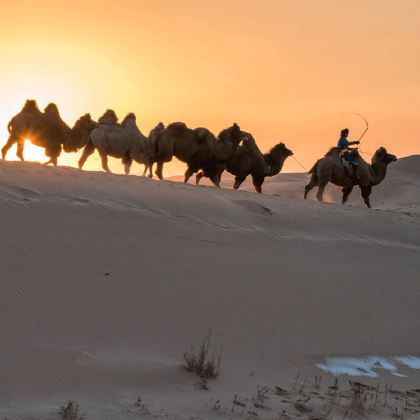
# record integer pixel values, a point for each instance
(400, 190)
(106, 279)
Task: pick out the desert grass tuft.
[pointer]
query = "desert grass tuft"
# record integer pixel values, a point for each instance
(71, 411)
(201, 363)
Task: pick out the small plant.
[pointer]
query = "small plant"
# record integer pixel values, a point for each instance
(303, 386)
(237, 402)
(281, 391)
(302, 408)
(142, 406)
(358, 397)
(261, 397)
(216, 406)
(317, 382)
(333, 390)
(71, 411)
(203, 385)
(296, 381)
(201, 363)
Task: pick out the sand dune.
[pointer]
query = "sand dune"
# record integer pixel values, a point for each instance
(107, 279)
(400, 190)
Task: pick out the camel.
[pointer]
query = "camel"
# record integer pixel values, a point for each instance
(244, 163)
(150, 148)
(45, 129)
(124, 141)
(198, 148)
(331, 169)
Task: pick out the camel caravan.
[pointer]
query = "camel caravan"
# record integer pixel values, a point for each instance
(205, 154)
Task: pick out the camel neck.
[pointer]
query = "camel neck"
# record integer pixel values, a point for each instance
(377, 172)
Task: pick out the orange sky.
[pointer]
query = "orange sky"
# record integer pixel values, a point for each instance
(284, 70)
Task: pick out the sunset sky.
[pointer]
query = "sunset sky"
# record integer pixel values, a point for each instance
(284, 70)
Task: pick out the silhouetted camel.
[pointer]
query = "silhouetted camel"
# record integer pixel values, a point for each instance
(122, 141)
(45, 130)
(331, 169)
(244, 163)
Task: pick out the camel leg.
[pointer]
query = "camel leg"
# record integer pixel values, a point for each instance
(219, 175)
(321, 188)
(127, 167)
(346, 192)
(127, 162)
(238, 181)
(52, 161)
(104, 159)
(87, 151)
(214, 178)
(366, 191)
(188, 173)
(258, 181)
(159, 170)
(10, 142)
(198, 177)
(312, 183)
(19, 150)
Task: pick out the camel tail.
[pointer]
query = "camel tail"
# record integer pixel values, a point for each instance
(10, 125)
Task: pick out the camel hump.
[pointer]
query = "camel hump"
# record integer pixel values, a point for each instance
(231, 133)
(51, 109)
(156, 131)
(109, 117)
(334, 151)
(53, 115)
(178, 128)
(129, 121)
(31, 107)
(201, 134)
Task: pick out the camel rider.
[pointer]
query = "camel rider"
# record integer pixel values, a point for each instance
(348, 154)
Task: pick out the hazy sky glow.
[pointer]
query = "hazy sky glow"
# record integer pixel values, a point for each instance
(284, 70)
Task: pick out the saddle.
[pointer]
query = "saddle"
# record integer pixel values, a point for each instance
(350, 169)
(349, 160)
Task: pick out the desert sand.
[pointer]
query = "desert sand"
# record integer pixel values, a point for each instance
(107, 279)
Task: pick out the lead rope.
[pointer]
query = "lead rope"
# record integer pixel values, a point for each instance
(366, 153)
(293, 156)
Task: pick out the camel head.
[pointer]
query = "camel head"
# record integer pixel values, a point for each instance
(381, 155)
(80, 134)
(281, 150)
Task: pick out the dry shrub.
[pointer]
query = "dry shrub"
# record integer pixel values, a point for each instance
(202, 363)
(71, 411)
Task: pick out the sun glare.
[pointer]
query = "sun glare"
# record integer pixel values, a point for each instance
(31, 153)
